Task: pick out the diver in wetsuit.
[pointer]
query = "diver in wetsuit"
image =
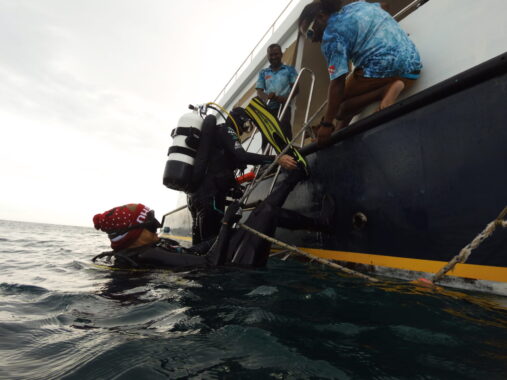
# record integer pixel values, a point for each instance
(207, 203)
(132, 231)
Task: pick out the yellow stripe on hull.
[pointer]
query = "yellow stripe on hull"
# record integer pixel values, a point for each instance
(478, 272)
(176, 237)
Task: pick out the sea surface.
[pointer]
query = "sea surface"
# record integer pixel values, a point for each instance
(61, 317)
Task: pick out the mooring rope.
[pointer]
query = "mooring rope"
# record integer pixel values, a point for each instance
(308, 255)
(465, 253)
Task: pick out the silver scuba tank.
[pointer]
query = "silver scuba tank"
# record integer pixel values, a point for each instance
(181, 155)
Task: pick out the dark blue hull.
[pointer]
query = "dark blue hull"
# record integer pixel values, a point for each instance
(428, 173)
(428, 181)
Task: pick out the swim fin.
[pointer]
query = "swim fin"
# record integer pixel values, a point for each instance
(269, 126)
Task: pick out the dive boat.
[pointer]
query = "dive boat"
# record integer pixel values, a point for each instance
(415, 182)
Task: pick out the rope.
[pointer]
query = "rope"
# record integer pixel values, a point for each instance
(465, 253)
(307, 255)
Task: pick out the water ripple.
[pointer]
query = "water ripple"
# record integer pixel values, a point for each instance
(62, 317)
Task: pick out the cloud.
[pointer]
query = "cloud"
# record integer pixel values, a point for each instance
(90, 90)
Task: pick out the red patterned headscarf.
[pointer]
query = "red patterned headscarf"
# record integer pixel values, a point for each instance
(125, 223)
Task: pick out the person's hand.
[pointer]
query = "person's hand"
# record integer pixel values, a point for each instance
(323, 135)
(231, 214)
(287, 162)
(281, 99)
(271, 95)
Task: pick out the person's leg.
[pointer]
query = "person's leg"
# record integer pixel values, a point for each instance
(265, 142)
(353, 105)
(218, 253)
(160, 257)
(207, 206)
(391, 94)
(247, 249)
(361, 92)
(285, 123)
(196, 234)
(209, 215)
(284, 187)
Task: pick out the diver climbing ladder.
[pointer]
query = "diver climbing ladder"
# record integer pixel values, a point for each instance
(276, 138)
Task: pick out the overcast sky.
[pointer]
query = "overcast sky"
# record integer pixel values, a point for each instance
(90, 90)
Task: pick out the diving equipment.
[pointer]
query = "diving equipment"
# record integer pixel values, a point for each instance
(187, 157)
(269, 126)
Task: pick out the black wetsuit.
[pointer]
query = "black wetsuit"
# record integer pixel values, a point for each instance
(207, 203)
(162, 255)
(236, 247)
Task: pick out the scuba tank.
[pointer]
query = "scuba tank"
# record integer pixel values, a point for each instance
(188, 154)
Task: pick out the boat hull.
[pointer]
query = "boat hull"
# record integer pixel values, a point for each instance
(428, 181)
(415, 183)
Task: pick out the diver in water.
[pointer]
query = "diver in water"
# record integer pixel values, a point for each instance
(135, 243)
(207, 202)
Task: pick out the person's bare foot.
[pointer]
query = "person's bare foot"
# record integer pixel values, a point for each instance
(391, 94)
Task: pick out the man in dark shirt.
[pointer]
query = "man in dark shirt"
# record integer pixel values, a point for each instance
(207, 203)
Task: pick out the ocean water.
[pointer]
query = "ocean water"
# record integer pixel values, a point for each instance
(63, 317)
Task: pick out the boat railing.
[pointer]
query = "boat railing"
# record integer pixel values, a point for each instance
(172, 212)
(252, 53)
(282, 112)
(409, 9)
(398, 16)
(271, 30)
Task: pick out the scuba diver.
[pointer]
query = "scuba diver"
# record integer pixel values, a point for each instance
(132, 231)
(207, 202)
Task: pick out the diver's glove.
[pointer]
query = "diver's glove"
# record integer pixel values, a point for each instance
(232, 214)
(236, 192)
(168, 243)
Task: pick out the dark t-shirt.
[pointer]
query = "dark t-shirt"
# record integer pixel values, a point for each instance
(227, 156)
(236, 156)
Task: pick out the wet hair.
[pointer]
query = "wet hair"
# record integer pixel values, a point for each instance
(313, 9)
(272, 46)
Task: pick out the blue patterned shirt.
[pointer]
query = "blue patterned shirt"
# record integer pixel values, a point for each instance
(368, 36)
(279, 82)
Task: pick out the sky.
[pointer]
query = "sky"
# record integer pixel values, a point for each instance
(90, 90)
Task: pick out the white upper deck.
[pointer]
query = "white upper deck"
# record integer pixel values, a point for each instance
(451, 36)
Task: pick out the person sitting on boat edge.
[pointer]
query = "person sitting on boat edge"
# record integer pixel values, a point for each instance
(207, 202)
(386, 61)
(132, 231)
(273, 86)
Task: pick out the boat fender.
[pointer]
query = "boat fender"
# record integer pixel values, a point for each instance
(181, 155)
